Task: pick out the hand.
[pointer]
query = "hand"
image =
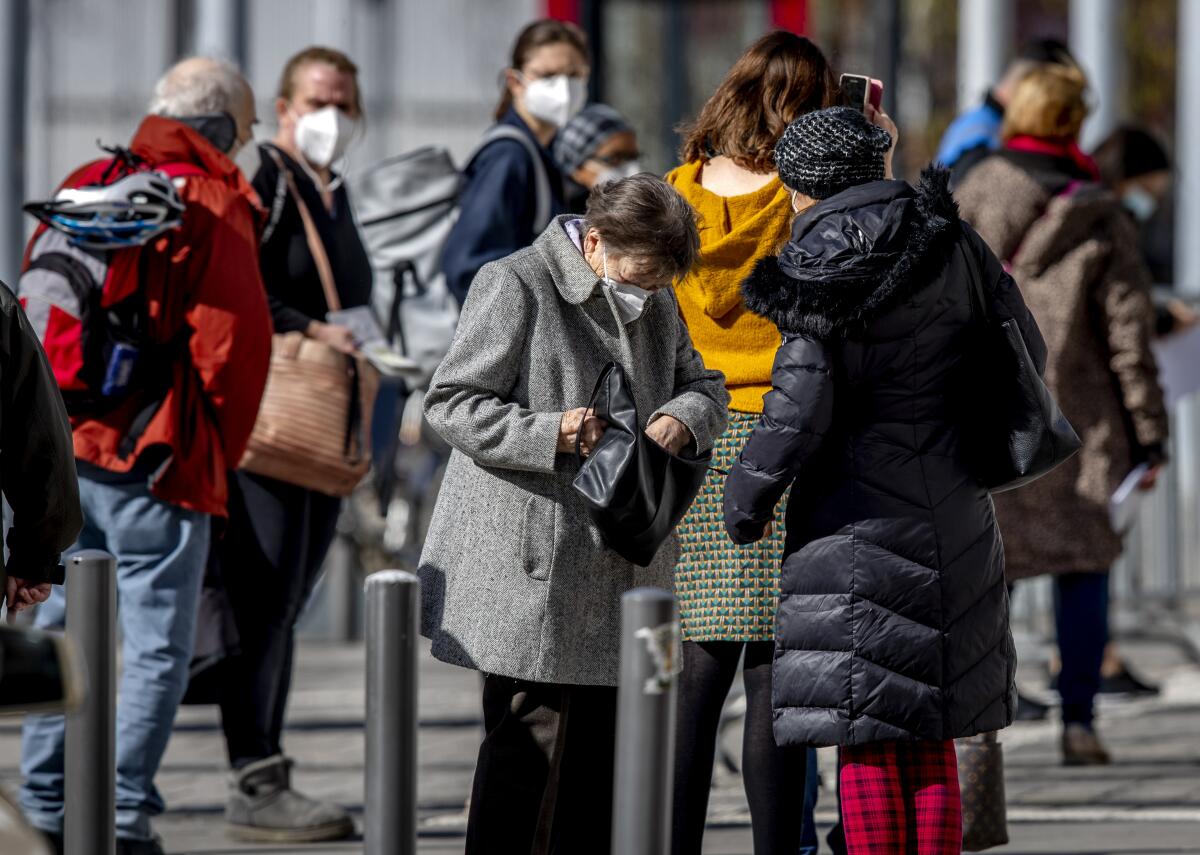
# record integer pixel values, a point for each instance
(339, 338)
(1150, 478)
(670, 433)
(20, 595)
(883, 120)
(572, 422)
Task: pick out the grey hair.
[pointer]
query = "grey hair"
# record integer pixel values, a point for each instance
(644, 217)
(198, 86)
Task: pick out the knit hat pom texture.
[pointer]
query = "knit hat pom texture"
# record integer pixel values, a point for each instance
(827, 151)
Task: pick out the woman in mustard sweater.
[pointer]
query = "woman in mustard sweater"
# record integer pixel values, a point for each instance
(727, 594)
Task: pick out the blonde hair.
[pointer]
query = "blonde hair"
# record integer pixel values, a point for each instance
(1050, 102)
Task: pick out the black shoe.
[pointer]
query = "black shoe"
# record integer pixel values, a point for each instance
(1030, 710)
(129, 846)
(1125, 682)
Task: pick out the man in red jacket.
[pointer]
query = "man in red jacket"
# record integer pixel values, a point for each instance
(151, 506)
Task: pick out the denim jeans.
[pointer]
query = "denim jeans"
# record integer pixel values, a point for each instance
(161, 551)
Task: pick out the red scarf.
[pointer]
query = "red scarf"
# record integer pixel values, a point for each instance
(1064, 149)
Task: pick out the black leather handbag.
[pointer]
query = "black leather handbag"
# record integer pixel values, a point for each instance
(635, 490)
(1015, 431)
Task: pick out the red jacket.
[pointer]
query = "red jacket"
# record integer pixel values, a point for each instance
(204, 277)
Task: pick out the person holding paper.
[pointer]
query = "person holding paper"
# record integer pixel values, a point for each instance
(1073, 250)
(278, 533)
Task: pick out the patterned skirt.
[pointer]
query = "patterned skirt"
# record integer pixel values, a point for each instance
(726, 592)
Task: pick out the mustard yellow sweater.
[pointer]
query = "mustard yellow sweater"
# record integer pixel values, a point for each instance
(735, 232)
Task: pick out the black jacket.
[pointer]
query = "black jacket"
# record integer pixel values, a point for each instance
(893, 618)
(289, 272)
(37, 457)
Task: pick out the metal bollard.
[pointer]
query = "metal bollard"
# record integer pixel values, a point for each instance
(90, 762)
(650, 660)
(390, 821)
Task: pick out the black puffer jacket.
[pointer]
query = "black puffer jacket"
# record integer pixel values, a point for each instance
(893, 619)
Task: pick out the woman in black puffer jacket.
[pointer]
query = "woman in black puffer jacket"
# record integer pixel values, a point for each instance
(892, 633)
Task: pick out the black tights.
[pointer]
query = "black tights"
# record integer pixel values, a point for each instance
(773, 776)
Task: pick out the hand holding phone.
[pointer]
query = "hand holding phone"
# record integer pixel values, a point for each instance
(861, 91)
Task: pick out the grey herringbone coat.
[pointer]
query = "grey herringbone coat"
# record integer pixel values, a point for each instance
(516, 580)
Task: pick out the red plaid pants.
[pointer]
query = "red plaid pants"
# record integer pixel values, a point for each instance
(901, 798)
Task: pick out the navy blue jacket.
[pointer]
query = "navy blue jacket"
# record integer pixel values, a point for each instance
(496, 207)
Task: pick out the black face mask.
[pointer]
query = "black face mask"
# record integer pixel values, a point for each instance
(220, 129)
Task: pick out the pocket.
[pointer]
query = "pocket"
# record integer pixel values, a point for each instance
(539, 530)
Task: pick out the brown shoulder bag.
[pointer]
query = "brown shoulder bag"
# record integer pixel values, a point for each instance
(314, 423)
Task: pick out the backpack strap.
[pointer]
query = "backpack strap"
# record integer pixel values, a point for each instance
(280, 197)
(541, 213)
(311, 235)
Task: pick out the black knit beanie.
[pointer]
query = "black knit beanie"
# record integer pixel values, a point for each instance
(827, 151)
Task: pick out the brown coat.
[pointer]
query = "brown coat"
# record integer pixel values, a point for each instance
(1074, 255)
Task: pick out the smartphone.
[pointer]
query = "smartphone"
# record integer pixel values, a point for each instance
(860, 90)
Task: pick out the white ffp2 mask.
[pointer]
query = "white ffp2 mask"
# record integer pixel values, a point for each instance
(555, 99)
(631, 300)
(616, 173)
(323, 135)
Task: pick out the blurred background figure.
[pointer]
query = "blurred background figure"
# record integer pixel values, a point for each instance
(1072, 248)
(976, 133)
(278, 533)
(512, 186)
(728, 593)
(1135, 165)
(597, 146)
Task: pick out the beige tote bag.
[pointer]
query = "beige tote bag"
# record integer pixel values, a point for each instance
(314, 423)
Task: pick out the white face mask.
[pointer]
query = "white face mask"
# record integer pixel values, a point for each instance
(631, 300)
(616, 173)
(555, 99)
(1141, 203)
(323, 135)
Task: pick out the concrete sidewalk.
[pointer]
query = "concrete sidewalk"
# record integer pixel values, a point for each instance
(1147, 802)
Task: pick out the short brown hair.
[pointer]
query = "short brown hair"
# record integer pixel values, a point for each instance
(314, 54)
(779, 78)
(643, 217)
(547, 31)
(1049, 102)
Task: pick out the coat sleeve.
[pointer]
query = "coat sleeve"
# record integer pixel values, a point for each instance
(37, 458)
(469, 402)
(1004, 297)
(1127, 317)
(797, 414)
(231, 345)
(700, 400)
(495, 215)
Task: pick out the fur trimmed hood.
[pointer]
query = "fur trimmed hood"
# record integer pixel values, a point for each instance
(853, 256)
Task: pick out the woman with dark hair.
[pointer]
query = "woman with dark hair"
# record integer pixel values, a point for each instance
(517, 580)
(513, 186)
(727, 593)
(892, 632)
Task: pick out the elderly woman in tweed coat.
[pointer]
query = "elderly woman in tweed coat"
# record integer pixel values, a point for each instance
(517, 581)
